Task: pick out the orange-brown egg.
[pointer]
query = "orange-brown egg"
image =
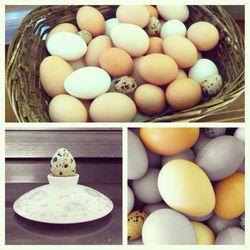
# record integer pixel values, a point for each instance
(116, 62)
(90, 19)
(152, 10)
(155, 45)
(181, 50)
(183, 93)
(158, 69)
(150, 99)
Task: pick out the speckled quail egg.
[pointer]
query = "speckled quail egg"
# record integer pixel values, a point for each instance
(212, 85)
(124, 84)
(154, 26)
(63, 163)
(242, 221)
(213, 132)
(135, 222)
(85, 35)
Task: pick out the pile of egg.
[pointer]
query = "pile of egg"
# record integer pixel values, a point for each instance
(186, 186)
(140, 62)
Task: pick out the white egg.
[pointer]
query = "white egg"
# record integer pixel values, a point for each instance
(186, 155)
(146, 189)
(67, 45)
(137, 157)
(167, 226)
(131, 200)
(240, 134)
(200, 143)
(150, 208)
(168, 12)
(87, 83)
(202, 69)
(110, 24)
(173, 28)
(231, 236)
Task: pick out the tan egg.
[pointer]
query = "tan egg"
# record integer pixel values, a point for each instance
(53, 71)
(181, 74)
(95, 48)
(136, 73)
(150, 99)
(68, 27)
(112, 107)
(181, 50)
(204, 235)
(155, 45)
(116, 62)
(184, 93)
(135, 14)
(77, 64)
(152, 10)
(90, 19)
(158, 69)
(66, 108)
(204, 35)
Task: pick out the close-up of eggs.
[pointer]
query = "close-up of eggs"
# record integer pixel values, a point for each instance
(190, 184)
(145, 60)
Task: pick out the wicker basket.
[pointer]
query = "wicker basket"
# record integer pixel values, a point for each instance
(30, 102)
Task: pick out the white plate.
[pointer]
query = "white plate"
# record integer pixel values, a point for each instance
(62, 201)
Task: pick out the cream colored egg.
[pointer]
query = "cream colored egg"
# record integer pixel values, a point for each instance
(168, 12)
(181, 74)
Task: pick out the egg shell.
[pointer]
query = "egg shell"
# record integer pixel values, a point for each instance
(135, 222)
(181, 74)
(168, 12)
(152, 10)
(185, 155)
(183, 94)
(87, 83)
(168, 141)
(173, 28)
(240, 134)
(131, 200)
(214, 132)
(116, 62)
(205, 236)
(77, 64)
(136, 73)
(125, 84)
(155, 45)
(95, 48)
(134, 14)
(221, 157)
(150, 99)
(202, 69)
(67, 45)
(131, 38)
(53, 80)
(110, 24)
(185, 187)
(230, 196)
(181, 50)
(154, 26)
(66, 108)
(231, 236)
(200, 143)
(145, 188)
(218, 224)
(112, 107)
(158, 69)
(166, 226)
(154, 160)
(137, 157)
(198, 34)
(150, 208)
(90, 19)
(69, 27)
(212, 85)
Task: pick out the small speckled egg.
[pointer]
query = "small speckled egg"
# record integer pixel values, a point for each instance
(214, 132)
(212, 85)
(242, 221)
(135, 222)
(85, 35)
(63, 163)
(125, 84)
(154, 26)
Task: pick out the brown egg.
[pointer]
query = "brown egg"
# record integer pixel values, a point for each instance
(95, 48)
(158, 69)
(53, 71)
(155, 45)
(184, 93)
(152, 10)
(204, 35)
(66, 108)
(90, 19)
(69, 27)
(136, 73)
(181, 50)
(150, 99)
(116, 62)
(77, 64)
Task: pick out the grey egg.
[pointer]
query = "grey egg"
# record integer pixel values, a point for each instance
(213, 132)
(231, 236)
(125, 84)
(200, 143)
(212, 85)
(154, 26)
